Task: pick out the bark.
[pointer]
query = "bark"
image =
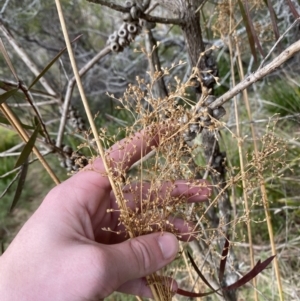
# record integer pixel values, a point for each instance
(186, 10)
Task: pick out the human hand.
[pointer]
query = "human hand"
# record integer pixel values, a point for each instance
(62, 251)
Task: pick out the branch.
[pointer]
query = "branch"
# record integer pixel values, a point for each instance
(111, 5)
(259, 74)
(26, 59)
(69, 91)
(149, 18)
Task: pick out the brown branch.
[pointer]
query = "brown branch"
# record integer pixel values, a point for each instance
(160, 89)
(71, 84)
(259, 74)
(111, 5)
(154, 19)
(149, 18)
(36, 111)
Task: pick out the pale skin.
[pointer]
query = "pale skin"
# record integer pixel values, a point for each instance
(62, 252)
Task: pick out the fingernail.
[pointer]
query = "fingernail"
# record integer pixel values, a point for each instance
(168, 244)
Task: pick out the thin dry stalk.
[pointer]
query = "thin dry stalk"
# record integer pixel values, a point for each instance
(262, 186)
(240, 144)
(259, 74)
(26, 59)
(156, 288)
(15, 123)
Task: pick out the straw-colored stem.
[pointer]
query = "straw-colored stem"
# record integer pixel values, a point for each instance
(22, 133)
(115, 188)
(238, 132)
(84, 100)
(264, 196)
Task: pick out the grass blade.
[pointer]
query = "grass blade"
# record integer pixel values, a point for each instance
(7, 95)
(273, 19)
(192, 294)
(8, 61)
(199, 272)
(28, 148)
(50, 64)
(224, 259)
(293, 9)
(251, 34)
(252, 30)
(260, 266)
(20, 186)
(24, 126)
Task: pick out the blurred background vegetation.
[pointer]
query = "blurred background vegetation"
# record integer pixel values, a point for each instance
(35, 27)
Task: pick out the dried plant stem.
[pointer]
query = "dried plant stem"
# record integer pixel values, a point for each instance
(83, 96)
(26, 59)
(69, 91)
(262, 184)
(15, 123)
(240, 144)
(259, 74)
(115, 188)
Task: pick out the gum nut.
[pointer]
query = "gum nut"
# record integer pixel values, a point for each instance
(219, 112)
(208, 80)
(210, 99)
(73, 120)
(205, 118)
(81, 127)
(122, 42)
(143, 23)
(113, 37)
(210, 62)
(218, 160)
(130, 37)
(194, 127)
(135, 12)
(115, 47)
(63, 164)
(69, 160)
(132, 28)
(67, 149)
(129, 3)
(126, 17)
(122, 33)
(72, 114)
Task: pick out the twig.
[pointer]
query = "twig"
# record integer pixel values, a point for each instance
(69, 91)
(15, 123)
(38, 104)
(278, 41)
(15, 154)
(18, 168)
(242, 165)
(146, 17)
(259, 74)
(263, 120)
(11, 183)
(35, 109)
(12, 149)
(29, 63)
(116, 188)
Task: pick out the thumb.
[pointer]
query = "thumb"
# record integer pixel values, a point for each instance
(141, 256)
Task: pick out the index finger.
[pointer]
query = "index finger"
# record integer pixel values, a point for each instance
(129, 150)
(126, 152)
